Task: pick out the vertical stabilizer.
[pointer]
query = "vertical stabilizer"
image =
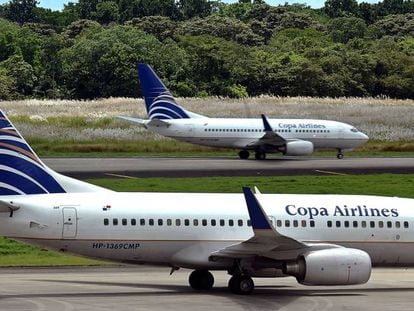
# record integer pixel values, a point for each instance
(159, 102)
(22, 172)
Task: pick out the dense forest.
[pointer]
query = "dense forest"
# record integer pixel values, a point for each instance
(203, 48)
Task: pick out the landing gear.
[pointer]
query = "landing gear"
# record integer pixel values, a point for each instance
(241, 284)
(244, 154)
(340, 155)
(260, 155)
(201, 280)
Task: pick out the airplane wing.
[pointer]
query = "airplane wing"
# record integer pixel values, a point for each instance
(266, 239)
(270, 137)
(145, 123)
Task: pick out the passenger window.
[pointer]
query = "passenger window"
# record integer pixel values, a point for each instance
(204, 222)
(346, 224)
(355, 224)
(279, 223)
(295, 223)
(142, 222)
(249, 223)
(151, 222)
(186, 222)
(372, 224)
(195, 222)
(124, 221)
(406, 224)
(240, 223)
(397, 224)
(159, 222)
(222, 223)
(213, 222)
(106, 222)
(133, 222)
(231, 222)
(287, 223)
(312, 223)
(115, 221)
(389, 224)
(381, 224)
(169, 222)
(338, 223)
(329, 223)
(303, 223)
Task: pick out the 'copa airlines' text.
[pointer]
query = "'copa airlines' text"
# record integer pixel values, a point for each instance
(359, 210)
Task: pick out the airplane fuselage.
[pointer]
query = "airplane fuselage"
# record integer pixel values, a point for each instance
(243, 133)
(136, 228)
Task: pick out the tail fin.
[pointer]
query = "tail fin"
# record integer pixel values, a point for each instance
(159, 101)
(22, 172)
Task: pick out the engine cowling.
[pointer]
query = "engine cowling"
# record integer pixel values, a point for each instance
(337, 266)
(298, 148)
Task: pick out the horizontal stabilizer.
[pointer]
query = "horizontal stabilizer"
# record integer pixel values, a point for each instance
(135, 120)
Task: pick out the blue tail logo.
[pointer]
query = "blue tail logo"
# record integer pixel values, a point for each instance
(21, 171)
(159, 102)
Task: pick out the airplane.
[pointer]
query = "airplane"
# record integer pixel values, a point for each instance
(294, 137)
(318, 239)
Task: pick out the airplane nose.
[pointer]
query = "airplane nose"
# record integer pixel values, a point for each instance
(363, 137)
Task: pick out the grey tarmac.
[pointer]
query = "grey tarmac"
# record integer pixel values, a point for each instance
(152, 288)
(221, 166)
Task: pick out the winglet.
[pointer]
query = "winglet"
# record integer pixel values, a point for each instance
(266, 124)
(258, 217)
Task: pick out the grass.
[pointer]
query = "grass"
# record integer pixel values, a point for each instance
(169, 147)
(381, 184)
(17, 254)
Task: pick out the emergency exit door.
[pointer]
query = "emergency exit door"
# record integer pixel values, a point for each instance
(69, 222)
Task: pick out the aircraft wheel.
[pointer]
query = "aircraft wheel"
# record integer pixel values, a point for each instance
(201, 280)
(340, 156)
(260, 155)
(241, 284)
(244, 154)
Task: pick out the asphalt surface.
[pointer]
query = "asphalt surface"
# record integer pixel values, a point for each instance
(147, 288)
(196, 167)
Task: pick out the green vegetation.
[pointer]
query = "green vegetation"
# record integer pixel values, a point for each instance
(381, 184)
(173, 148)
(205, 47)
(13, 253)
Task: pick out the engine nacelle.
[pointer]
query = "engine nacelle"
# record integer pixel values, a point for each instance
(298, 148)
(337, 266)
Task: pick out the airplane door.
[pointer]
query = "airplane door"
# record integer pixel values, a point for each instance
(69, 223)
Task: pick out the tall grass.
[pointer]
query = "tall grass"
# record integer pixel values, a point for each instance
(80, 122)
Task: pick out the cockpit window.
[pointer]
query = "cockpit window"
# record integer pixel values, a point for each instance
(354, 130)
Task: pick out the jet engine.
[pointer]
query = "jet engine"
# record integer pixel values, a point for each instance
(298, 148)
(337, 266)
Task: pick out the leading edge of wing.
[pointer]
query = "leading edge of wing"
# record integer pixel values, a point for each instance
(266, 238)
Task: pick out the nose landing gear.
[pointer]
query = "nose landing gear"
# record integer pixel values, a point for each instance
(339, 154)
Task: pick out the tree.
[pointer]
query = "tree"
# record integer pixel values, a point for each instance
(21, 72)
(338, 8)
(6, 85)
(195, 8)
(343, 29)
(106, 12)
(21, 11)
(161, 27)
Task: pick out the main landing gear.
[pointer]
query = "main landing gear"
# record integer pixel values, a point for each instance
(259, 155)
(244, 154)
(201, 280)
(239, 284)
(339, 154)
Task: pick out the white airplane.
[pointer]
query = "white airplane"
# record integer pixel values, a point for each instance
(319, 239)
(296, 137)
